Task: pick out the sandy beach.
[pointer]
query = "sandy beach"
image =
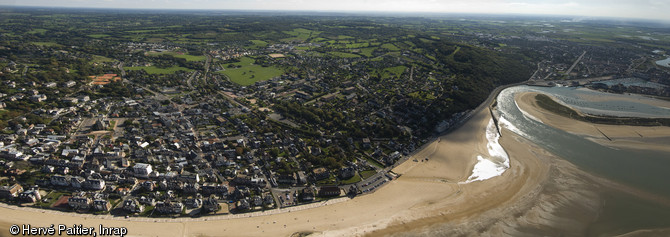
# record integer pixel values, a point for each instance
(633, 137)
(538, 195)
(425, 190)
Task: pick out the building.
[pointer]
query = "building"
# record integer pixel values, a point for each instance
(38, 98)
(12, 154)
(132, 205)
(243, 205)
(95, 184)
(101, 205)
(302, 178)
(241, 179)
(168, 207)
(257, 201)
(321, 173)
(142, 170)
(193, 202)
(70, 100)
(329, 191)
(11, 191)
(307, 194)
(191, 187)
(84, 98)
(347, 172)
(147, 201)
(80, 203)
(69, 84)
(148, 186)
(268, 200)
(288, 179)
(213, 188)
(30, 196)
(210, 205)
(59, 180)
(100, 125)
(77, 182)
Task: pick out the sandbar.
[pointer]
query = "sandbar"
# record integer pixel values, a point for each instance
(633, 137)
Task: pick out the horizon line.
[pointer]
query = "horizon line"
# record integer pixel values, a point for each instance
(344, 12)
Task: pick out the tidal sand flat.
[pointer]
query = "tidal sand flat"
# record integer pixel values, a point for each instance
(633, 137)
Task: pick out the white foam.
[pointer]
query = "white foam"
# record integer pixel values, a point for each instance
(497, 161)
(526, 114)
(503, 122)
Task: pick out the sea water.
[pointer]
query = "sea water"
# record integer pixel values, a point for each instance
(644, 169)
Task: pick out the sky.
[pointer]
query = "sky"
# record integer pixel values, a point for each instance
(643, 9)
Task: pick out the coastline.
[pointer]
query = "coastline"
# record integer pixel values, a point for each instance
(618, 136)
(538, 194)
(425, 189)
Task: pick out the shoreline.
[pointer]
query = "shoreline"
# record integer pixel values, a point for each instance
(422, 187)
(537, 190)
(618, 136)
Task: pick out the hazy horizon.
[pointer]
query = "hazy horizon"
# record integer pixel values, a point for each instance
(647, 9)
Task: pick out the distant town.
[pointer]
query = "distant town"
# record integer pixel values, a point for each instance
(157, 117)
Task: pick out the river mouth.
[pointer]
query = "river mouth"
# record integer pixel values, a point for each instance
(612, 190)
(644, 169)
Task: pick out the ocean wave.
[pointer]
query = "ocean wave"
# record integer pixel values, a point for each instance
(496, 163)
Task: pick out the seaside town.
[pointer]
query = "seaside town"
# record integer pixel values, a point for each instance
(167, 129)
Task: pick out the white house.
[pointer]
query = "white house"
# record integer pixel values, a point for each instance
(142, 170)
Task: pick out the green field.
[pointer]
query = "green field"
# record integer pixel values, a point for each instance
(352, 180)
(248, 73)
(259, 44)
(393, 71)
(188, 57)
(37, 31)
(155, 70)
(367, 173)
(357, 45)
(390, 47)
(98, 36)
(101, 59)
(344, 55)
(301, 34)
(367, 52)
(47, 44)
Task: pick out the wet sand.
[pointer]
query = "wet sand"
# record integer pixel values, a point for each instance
(631, 137)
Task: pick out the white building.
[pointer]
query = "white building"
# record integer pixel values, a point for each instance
(142, 170)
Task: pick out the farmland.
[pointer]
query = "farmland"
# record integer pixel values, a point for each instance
(247, 73)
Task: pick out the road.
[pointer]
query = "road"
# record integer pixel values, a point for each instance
(575, 64)
(123, 71)
(207, 63)
(189, 81)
